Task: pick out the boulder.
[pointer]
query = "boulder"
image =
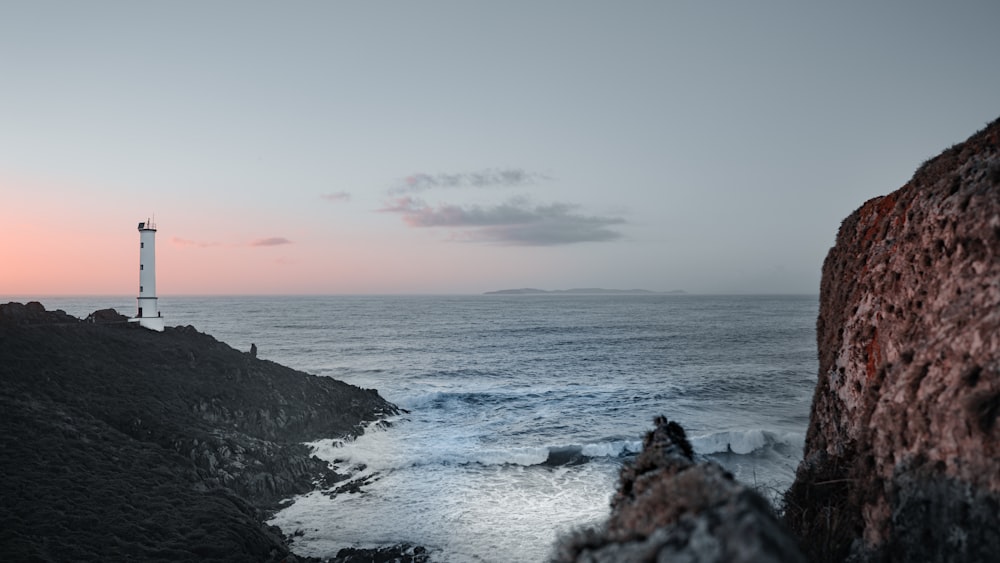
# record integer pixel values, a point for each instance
(902, 453)
(106, 316)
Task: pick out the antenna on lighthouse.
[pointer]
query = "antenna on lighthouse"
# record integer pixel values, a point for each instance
(148, 314)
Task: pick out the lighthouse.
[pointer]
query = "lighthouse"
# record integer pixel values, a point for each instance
(148, 315)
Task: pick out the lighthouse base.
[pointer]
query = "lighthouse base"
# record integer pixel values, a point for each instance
(152, 323)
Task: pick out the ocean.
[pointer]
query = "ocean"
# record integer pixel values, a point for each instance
(519, 409)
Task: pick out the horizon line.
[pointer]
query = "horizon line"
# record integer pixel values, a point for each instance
(552, 293)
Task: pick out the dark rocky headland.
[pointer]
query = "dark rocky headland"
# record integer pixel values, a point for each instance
(119, 443)
(902, 453)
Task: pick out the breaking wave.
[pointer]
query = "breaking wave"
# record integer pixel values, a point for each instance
(746, 442)
(377, 449)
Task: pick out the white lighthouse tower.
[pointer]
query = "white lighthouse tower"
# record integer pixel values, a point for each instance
(148, 315)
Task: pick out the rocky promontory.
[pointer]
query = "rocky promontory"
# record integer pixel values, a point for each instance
(121, 443)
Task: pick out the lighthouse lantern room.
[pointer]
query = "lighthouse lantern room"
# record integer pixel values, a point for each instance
(148, 314)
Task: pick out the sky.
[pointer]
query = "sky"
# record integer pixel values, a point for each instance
(443, 147)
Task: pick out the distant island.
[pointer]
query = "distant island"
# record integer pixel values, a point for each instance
(582, 291)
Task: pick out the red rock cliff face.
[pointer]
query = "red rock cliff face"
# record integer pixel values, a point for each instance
(902, 456)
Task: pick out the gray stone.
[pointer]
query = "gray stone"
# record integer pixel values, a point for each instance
(669, 508)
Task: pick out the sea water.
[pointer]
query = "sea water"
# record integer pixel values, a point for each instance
(520, 409)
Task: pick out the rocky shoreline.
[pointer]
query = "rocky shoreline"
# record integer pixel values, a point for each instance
(120, 443)
(901, 461)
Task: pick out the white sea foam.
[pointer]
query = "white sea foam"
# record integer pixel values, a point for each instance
(613, 448)
(380, 449)
(462, 513)
(523, 408)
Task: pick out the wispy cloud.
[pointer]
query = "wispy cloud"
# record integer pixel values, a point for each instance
(491, 177)
(336, 197)
(177, 241)
(272, 241)
(515, 222)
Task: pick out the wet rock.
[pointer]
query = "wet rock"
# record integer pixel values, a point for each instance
(402, 553)
(902, 458)
(669, 508)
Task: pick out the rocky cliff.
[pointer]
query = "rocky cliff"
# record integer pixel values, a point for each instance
(902, 460)
(126, 444)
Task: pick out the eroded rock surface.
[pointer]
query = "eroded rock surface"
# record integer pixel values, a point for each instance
(902, 457)
(669, 508)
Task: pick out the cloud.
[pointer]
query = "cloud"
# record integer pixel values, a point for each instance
(272, 241)
(336, 196)
(491, 177)
(516, 222)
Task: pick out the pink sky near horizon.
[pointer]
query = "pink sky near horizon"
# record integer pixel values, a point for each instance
(100, 263)
(458, 148)
(95, 251)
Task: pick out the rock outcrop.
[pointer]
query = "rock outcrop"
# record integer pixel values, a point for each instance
(902, 455)
(669, 508)
(126, 444)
